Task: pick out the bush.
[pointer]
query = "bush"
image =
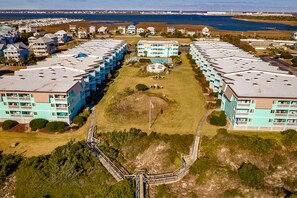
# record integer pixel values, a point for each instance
(85, 114)
(251, 174)
(294, 61)
(286, 55)
(141, 87)
(145, 60)
(218, 118)
(55, 126)
(38, 123)
(289, 137)
(8, 124)
(79, 120)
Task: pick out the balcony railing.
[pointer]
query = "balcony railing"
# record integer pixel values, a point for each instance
(242, 113)
(283, 105)
(292, 115)
(15, 115)
(62, 117)
(292, 123)
(12, 97)
(14, 106)
(244, 104)
(60, 99)
(27, 115)
(26, 107)
(279, 123)
(62, 108)
(281, 114)
(241, 122)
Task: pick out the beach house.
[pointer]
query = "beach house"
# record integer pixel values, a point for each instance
(131, 29)
(103, 30)
(62, 36)
(16, 51)
(139, 30)
(43, 46)
(82, 33)
(92, 29)
(151, 30)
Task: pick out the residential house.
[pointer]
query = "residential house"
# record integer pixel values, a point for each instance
(103, 30)
(72, 28)
(205, 32)
(122, 29)
(31, 40)
(16, 51)
(294, 36)
(43, 46)
(140, 30)
(151, 30)
(131, 29)
(53, 37)
(170, 29)
(183, 30)
(157, 48)
(62, 37)
(92, 29)
(25, 28)
(82, 33)
(8, 34)
(191, 33)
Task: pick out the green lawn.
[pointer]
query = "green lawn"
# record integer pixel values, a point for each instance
(180, 85)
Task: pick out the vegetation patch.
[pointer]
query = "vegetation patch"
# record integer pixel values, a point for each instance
(55, 126)
(141, 87)
(218, 118)
(38, 123)
(70, 171)
(8, 124)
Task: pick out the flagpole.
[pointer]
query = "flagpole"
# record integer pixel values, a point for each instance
(150, 114)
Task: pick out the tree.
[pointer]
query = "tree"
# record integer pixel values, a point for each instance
(294, 61)
(55, 126)
(21, 62)
(286, 55)
(32, 58)
(11, 62)
(218, 118)
(2, 60)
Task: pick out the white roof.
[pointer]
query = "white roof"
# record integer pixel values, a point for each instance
(262, 84)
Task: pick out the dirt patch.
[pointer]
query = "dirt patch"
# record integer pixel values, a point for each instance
(9, 186)
(136, 107)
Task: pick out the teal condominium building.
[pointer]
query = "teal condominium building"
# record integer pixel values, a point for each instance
(255, 95)
(56, 89)
(157, 48)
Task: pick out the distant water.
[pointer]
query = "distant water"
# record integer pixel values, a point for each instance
(218, 22)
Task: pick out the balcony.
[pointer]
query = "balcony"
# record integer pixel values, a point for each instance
(14, 106)
(60, 99)
(62, 108)
(62, 117)
(241, 122)
(283, 105)
(292, 123)
(12, 97)
(281, 114)
(15, 115)
(27, 115)
(279, 123)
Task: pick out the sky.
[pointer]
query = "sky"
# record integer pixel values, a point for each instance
(193, 5)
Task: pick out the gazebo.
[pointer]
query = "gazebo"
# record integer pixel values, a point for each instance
(156, 68)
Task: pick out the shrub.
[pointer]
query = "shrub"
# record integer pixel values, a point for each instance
(218, 118)
(286, 55)
(289, 137)
(141, 87)
(251, 174)
(145, 60)
(38, 123)
(79, 120)
(8, 124)
(294, 61)
(85, 114)
(55, 126)
(233, 192)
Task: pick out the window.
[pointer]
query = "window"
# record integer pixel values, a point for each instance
(53, 114)
(270, 120)
(250, 120)
(272, 111)
(33, 104)
(7, 112)
(252, 111)
(52, 105)
(4, 103)
(35, 113)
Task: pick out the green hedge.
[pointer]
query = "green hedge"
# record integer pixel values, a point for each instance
(8, 124)
(294, 61)
(145, 60)
(218, 118)
(38, 123)
(55, 126)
